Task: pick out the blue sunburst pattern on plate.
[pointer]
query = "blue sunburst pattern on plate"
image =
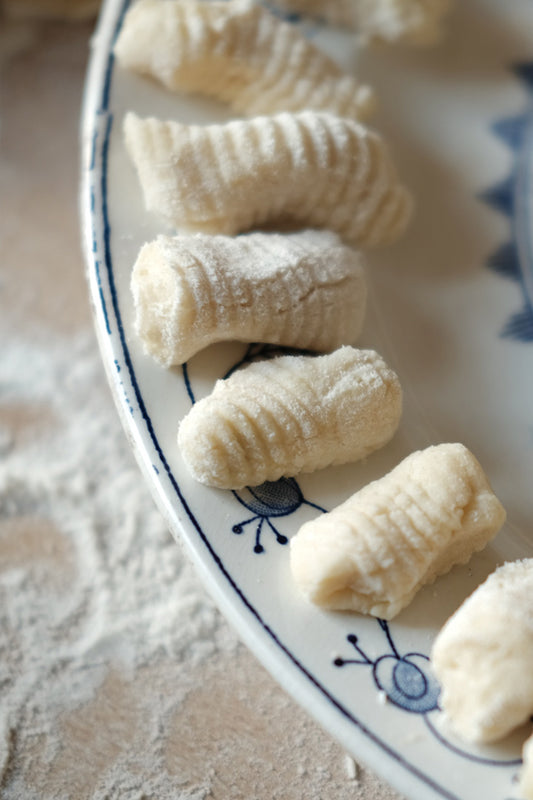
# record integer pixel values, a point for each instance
(513, 197)
(272, 499)
(406, 681)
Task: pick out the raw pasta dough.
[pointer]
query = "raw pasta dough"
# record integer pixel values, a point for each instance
(375, 551)
(289, 415)
(416, 22)
(525, 786)
(312, 168)
(483, 656)
(303, 290)
(238, 52)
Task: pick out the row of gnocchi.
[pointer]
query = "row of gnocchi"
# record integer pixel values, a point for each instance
(300, 153)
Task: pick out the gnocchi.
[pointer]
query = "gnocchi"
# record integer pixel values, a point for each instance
(311, 168)
(375, 551)
(303, 290)
(291, 414)
(525, 785)
(483, 655)
(416, 22)
(238, 52)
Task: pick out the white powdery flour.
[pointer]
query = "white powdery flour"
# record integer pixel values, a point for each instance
(119, 680)
(90, 578)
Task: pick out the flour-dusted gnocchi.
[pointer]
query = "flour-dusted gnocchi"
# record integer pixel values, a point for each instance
(304, 290)
(375, 551)
(417, 22)
(311, 168)
(291, 414)
(525, 785)
(238, 52)
(483, 656)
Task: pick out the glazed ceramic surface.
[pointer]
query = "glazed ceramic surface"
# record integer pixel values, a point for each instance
(450, 309)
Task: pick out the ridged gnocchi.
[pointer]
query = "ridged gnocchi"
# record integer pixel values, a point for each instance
(482, 657)
(238, 52)
(525, 785)
(375, 551)
(304, 290)
(417, 22)
(289, 415)
(311, 168)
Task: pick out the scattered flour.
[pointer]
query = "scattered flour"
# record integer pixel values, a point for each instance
(119, 678)
(351, 768)
(90, 579)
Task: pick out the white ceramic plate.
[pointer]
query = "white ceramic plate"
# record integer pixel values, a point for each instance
(451, 312)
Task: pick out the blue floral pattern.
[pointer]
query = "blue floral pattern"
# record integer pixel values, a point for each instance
(406, 679)
(272, 499)
(512, 197)
(407, 682)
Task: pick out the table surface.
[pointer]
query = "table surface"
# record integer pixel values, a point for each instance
(119, 677)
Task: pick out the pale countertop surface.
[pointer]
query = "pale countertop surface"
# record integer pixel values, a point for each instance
(119, 678)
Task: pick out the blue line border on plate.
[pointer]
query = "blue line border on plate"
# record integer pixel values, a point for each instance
(108, 265)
